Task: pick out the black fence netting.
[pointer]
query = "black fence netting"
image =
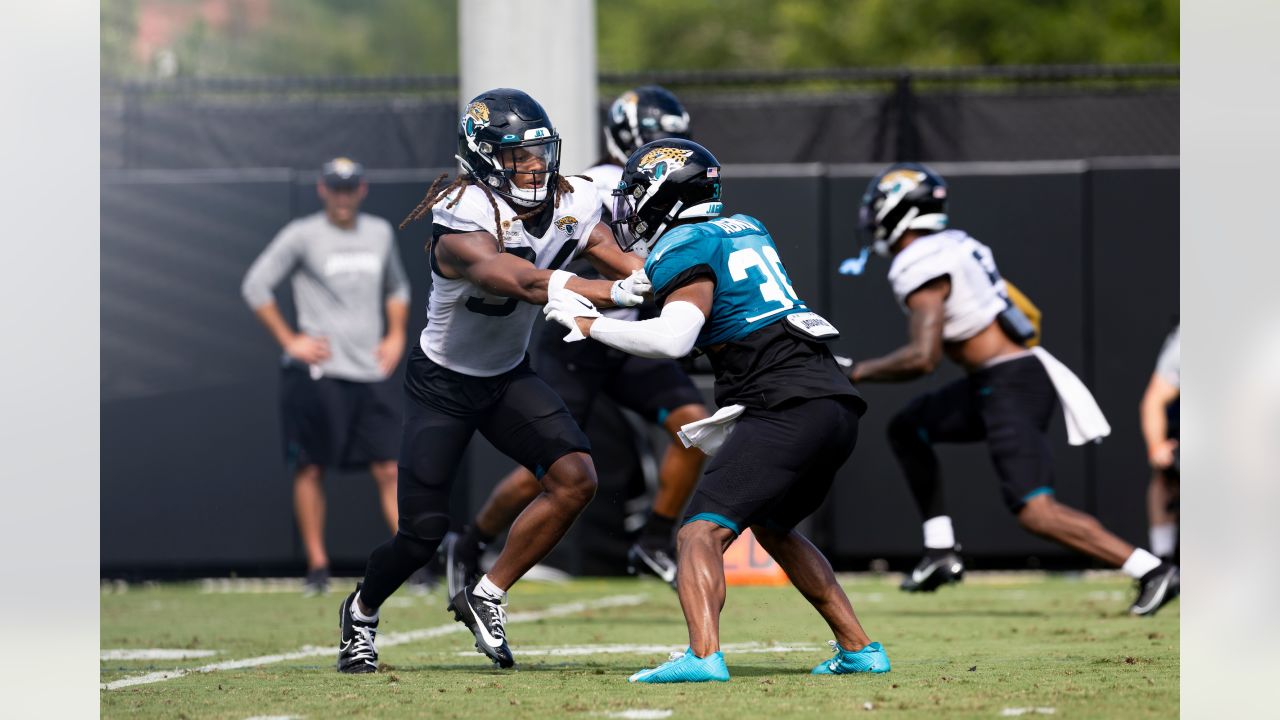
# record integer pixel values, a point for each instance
(843, 115)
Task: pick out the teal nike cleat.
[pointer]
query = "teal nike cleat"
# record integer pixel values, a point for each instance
(686, 667)
(870, 659)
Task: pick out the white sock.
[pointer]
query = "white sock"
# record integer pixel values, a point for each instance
(938, 533)
(1163, 539)
(1140, 563)
(486, 589)
(355, 611)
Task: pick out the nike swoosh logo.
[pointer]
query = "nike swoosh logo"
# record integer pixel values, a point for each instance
(489, 640)
(1155, 598)
(918, 575)
(346, 645)
(667, 574)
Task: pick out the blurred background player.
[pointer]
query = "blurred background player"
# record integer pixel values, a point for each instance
(352, 299)
(657, 390)
(1159, 413)
(500, 234)
(794, 418)
(958, 304)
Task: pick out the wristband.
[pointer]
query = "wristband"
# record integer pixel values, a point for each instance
(557, 282)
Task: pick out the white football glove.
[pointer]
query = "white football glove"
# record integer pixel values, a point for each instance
(629, 291)
(565, 307)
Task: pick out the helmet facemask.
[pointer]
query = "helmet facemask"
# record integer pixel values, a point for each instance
(528, 168)
(630, 232)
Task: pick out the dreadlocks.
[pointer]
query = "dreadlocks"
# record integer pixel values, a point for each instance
(432, 198)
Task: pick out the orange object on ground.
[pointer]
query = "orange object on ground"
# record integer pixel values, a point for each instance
(747, 563)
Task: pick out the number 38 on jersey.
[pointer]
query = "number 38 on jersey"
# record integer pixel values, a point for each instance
(752, 286)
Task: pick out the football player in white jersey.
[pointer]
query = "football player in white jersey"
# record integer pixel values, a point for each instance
(655, 389)
(501, 234)
(958, 305)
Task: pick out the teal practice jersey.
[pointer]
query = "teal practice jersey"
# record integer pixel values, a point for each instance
(737, 253)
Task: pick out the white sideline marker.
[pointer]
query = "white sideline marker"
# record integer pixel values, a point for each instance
(155, 654)
(387, 640)
(1014, 712)
(640, 714)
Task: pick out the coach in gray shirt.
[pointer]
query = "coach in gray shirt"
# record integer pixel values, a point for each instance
(337, 406)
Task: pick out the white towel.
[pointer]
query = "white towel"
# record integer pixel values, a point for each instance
(1084, 419)
(709, 434)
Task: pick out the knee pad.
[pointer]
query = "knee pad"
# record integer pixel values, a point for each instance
(425, 527)
(424, 517)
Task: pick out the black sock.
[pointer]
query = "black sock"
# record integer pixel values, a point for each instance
(472, 543)
(658, 528)
(934, 553)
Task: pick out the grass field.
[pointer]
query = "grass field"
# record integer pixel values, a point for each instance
(998, 646)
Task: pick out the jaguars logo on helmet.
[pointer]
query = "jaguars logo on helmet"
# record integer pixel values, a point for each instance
(897, 181)
(475, 118)
(660, 162)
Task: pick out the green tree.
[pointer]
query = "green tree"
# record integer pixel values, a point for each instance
(419, 37)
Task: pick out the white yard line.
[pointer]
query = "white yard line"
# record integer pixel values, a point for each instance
(574, 650)
(1015, 712)
(640, 714)
(155, 654)
(387, 640)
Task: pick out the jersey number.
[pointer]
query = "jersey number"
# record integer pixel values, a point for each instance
(775, 288)
(477, 304)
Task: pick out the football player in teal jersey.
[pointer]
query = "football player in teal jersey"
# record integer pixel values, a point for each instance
(788, 418)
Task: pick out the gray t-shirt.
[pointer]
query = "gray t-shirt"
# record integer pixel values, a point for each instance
(1169, 364)
(341, 281)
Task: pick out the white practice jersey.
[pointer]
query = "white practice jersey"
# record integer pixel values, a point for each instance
(606, 176)
(473, 332)
(978, 292)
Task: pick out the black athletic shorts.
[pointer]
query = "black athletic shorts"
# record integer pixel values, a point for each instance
(1009, 405)
(777, 466)
(515, 411)
(337, 423)
(578, 372)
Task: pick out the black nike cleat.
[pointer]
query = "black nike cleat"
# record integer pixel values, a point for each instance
(934, 571)
(461, 563)
(356, 651)
(654, 559)
(486, 619)
(1155, 589)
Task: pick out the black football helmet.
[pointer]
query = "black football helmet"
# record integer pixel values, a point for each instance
(905, 196)
(497, 128)
(663, 182)
(640, 116)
